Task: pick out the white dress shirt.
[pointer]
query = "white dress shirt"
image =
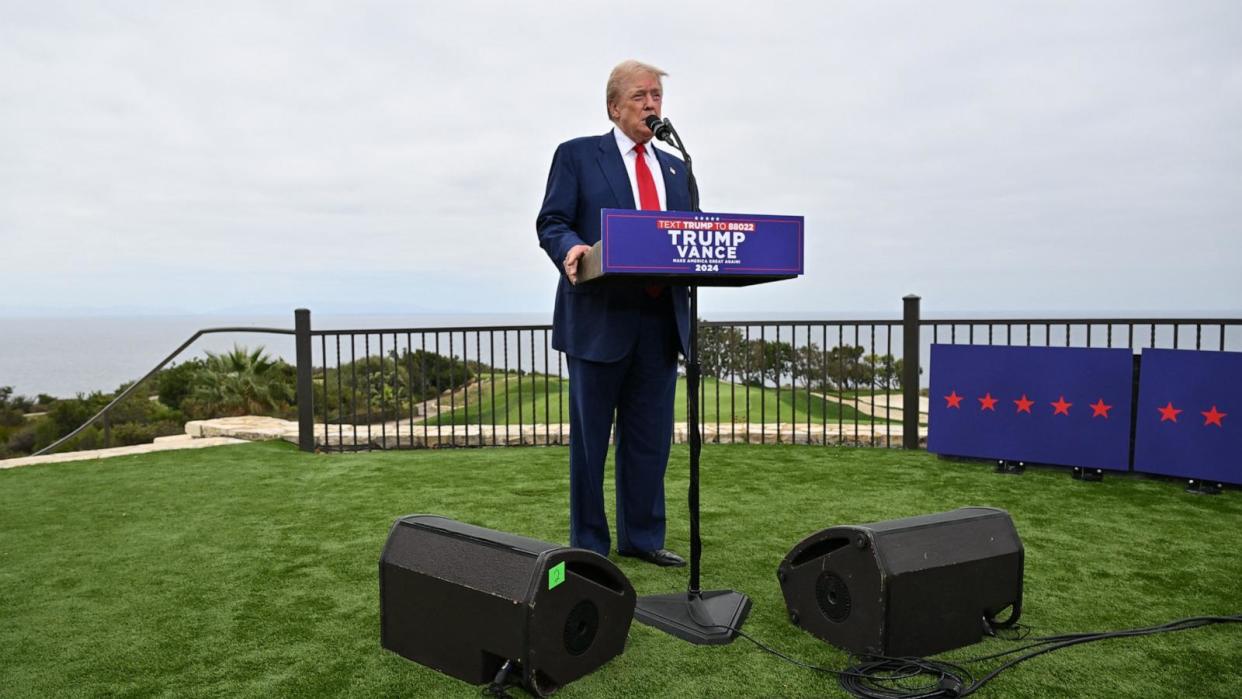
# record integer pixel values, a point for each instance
(630, 156)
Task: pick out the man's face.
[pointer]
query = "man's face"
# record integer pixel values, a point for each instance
(640, 97)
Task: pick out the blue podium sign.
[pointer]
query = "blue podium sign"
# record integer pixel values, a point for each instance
(698, 247)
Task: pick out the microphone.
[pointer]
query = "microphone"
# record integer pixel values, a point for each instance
(660, 128)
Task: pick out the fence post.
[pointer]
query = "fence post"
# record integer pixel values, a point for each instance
(306, 408)
(910, 372)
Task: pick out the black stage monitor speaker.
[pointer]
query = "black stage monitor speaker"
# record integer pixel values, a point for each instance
(906, 587)
(464, 600)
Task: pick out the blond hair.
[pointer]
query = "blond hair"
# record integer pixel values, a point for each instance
(618, 77)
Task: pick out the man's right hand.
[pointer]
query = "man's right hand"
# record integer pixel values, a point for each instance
(571, 261)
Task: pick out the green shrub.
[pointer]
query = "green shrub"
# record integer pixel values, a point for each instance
(176, 383)
(22, 440)
(46, 432)
(68, 414)
(89, 438)
(136, 408)
(11, 417)
(134, 433)
(12, 408)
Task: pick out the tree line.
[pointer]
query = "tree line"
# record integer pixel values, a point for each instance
(726, 354)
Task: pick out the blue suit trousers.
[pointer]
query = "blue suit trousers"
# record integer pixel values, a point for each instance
(640, 389)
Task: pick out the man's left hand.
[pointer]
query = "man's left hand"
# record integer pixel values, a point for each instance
(571, 261)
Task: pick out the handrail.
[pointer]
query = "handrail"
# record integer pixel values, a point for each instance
(125, 394)
(431, 329)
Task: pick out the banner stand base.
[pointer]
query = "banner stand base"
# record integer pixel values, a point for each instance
(1093, 475)
(1014, 468)
(1203, 488)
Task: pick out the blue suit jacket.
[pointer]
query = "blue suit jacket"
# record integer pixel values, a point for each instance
(600, 323)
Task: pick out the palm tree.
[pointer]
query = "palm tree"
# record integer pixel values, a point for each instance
(241, 382)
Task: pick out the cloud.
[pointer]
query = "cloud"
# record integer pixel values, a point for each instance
(985, 155)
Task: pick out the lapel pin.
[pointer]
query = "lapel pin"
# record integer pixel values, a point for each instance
(672, 171)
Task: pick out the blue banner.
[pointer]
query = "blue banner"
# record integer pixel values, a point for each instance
(1189, 408)
(709, 244)
(1049, 405)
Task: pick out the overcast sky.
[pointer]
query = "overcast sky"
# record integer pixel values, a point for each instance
(391, 157)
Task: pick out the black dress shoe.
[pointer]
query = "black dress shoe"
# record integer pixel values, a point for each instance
(661, 557)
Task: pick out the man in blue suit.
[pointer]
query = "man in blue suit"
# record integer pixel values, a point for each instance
(621, 343)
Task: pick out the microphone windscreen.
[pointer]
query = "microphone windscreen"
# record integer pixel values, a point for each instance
(659, 128)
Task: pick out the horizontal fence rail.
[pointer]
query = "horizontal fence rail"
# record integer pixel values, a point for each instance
(1135, 333)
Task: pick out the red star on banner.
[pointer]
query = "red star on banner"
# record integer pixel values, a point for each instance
(987, 402)
(1024, 404)
(1169, 413)
(1098, 409)
(954, 400)
(1061, 407)
(1213, 417)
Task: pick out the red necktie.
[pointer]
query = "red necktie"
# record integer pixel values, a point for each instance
(648, 199)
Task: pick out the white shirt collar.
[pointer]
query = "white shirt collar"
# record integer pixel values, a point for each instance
(625, 143)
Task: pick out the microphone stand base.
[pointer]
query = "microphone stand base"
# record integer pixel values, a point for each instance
(711, 617)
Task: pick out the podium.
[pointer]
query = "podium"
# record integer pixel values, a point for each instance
(693, 249)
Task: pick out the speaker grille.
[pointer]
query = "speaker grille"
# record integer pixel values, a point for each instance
(833, 596)
(580, 627)
(462, 560)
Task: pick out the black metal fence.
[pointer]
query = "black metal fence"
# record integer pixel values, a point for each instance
(856, 382)
(427, 387)
(802, 382)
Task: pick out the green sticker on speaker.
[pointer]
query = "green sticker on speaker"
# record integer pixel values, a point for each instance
(556, 575)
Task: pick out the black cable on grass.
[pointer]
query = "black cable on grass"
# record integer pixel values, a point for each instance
(787, 658)
(880, 677)
(885, 678)
(1051, 643)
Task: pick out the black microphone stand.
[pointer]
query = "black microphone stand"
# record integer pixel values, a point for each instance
(698, 616)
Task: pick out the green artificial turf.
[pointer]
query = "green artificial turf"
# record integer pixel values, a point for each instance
(252, 570)
(545, 399)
